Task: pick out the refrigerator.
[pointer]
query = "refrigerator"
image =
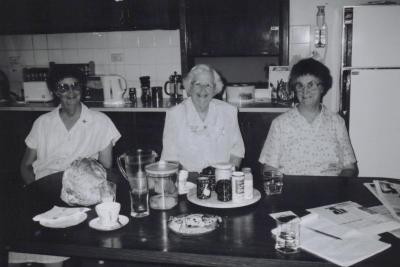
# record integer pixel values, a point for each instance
(370, 87)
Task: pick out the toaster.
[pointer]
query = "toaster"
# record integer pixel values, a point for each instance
(37, 91)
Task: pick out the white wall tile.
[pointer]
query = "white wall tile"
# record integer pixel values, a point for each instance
(39, 41)
(132, 72)
(148, 70)
(101, 56)
(130, 39)
(163, 71)
(9, 42)
(41, 57)
(161, 38)
(298, 51)
(101, 68)
(56, 56)
(71, 56)
(174, 39)
(131, 55)
(27, 57)
(3, 58)
(54, 41)
(68, 41)
(114, 40)
(148, 55)
(300, 34)
(117, 69)
(85, 55)
(146, 39)
(24, 42)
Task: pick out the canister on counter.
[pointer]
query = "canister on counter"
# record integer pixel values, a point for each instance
(248, 183)
(203, 188)
(237, 187)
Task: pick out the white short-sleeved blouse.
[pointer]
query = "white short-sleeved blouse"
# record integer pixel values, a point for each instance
(197, 144)
(57, 147)
(298, 147)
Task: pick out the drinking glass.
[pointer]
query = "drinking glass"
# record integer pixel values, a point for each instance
(139, 195)
(287, 234)
(273, 182)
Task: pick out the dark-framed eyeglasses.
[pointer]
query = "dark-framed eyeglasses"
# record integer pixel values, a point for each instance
(64, 87)
(311, 86)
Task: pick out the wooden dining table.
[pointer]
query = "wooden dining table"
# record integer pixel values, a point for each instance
(242, 239)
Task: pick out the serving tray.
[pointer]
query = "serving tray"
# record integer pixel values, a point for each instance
(213, 202)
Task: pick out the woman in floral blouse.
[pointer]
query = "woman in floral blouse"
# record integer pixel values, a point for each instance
(309, 139)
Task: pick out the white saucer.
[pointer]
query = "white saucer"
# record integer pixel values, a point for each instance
(95, 224)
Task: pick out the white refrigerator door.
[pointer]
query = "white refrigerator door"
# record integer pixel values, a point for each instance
(374, 122)
(376, 36)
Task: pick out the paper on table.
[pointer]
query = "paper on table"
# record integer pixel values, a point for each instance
(382, 210)
(389, 194)
(59, 213)
(353, 246)
(354, 216)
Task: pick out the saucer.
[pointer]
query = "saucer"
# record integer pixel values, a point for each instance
(95, 224)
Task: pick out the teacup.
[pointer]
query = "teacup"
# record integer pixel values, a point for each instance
(108, 213)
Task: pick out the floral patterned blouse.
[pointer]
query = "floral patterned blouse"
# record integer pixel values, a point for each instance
(298, 147)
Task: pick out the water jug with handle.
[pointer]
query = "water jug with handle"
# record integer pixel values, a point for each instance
(114, 88)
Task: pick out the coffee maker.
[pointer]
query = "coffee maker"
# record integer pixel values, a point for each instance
(173, 87)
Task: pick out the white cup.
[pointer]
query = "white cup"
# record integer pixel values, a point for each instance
(108, 213)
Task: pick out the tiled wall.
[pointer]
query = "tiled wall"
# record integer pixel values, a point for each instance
(130, 54)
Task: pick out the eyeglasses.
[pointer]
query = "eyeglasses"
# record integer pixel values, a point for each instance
(312, 86)
(206, 86)
(63, 87)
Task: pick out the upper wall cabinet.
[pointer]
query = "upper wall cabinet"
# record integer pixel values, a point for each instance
(236, 27)
(59, 16)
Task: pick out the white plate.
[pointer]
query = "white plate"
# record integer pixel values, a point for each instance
(95, 224)
(194, 224)
(64, 223)
(213, 202)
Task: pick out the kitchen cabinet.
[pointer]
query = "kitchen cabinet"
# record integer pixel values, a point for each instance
(236, 27)
(61, 16)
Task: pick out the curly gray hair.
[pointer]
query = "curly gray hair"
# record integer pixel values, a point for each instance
(202, 68)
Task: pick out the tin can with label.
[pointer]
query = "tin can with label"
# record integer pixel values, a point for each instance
(203, 188)
(237, 186)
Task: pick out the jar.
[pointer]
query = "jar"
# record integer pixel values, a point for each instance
(223, 171)
(237, 187)
(164, 194)
(248, 183)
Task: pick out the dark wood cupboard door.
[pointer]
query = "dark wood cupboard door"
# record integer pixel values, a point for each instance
(233, 27)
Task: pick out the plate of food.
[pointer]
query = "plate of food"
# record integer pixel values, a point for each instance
(213, 201)
(194, 224)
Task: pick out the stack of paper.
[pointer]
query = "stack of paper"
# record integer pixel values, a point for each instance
(337, 243)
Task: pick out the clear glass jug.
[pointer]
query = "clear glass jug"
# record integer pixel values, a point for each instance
(135, 162)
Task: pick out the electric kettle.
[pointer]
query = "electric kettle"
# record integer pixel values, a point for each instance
(173, 87)
(114, 88)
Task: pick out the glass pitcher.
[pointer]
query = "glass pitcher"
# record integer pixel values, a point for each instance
(135, 162)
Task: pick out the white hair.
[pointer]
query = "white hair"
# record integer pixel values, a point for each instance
(203, 68)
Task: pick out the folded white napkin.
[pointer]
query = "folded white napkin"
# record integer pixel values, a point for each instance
(59, 213)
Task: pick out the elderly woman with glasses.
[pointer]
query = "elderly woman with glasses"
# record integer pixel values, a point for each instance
(309, 139)
(68, 132)
(202, 131)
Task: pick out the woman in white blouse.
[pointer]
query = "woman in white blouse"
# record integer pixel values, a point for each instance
(202, 131)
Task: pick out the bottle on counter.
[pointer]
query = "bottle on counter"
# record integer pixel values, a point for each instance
(248, 183)
(237, 187)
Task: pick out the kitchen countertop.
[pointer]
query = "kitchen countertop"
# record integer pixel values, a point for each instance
(258, 106)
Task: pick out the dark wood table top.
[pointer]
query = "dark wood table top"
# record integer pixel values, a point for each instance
(243, 238)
